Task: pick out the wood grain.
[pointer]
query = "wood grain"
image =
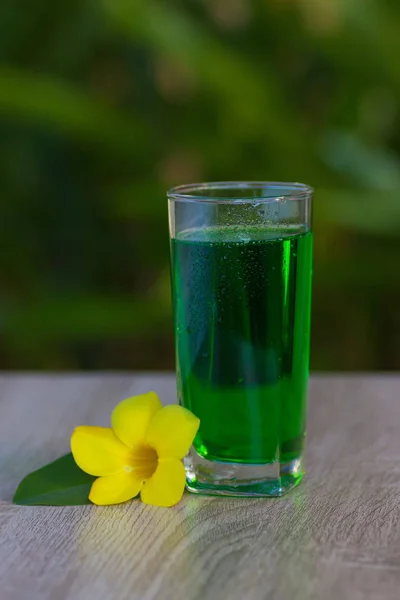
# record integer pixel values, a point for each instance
(336, 536)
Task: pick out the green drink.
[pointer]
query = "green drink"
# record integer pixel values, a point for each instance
(241, 258)
(242, 304)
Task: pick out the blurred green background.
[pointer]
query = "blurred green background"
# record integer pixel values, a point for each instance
(106, 104)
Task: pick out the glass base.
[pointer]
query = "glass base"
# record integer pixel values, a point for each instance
(237, 479)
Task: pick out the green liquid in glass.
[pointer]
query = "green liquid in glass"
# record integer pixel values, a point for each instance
(242, 309)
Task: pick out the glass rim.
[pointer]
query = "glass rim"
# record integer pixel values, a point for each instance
(210, 192)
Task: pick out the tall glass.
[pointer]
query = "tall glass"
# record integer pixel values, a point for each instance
(241, 256)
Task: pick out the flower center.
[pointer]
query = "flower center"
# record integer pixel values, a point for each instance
(143, 462)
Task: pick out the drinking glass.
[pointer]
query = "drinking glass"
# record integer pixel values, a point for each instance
(241, 261)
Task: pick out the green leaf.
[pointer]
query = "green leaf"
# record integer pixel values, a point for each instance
(34, 97)
(60, 483)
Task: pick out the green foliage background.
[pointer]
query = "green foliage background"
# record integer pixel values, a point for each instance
(104, 104)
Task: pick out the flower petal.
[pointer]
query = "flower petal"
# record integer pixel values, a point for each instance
(115, 489)
(166, 486)
(131, 417)
(171, 431)
(98, 451)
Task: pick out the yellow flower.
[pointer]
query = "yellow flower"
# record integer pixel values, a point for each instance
(141, 453)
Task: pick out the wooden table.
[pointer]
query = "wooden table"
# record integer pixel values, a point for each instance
(336, 536)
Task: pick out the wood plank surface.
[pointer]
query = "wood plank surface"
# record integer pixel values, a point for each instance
(337, 536)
